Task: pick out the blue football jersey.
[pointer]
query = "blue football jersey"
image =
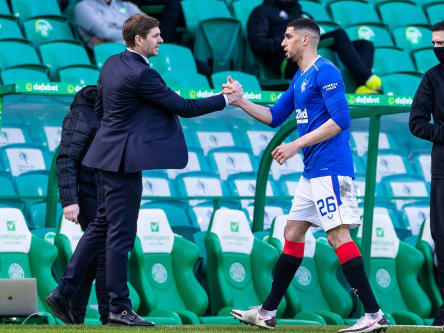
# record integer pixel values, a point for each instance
(317, 95)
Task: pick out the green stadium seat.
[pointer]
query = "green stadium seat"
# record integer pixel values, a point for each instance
(200, 183)
(162, 272)
(244, 184)
(329, 54)
(347, 13)
(256, 137)
(231, 160)
(359, 142)
(13, 75)
(249, 82)
(195, 11)
(412, 38)
(214, 135)
(378, 35)
(66, 239)
(401, 84)
(9, 29)
(105, 50)
(239, 272)
(401, 13)
(288, 183)
(173, 57)
(415, 213)
(156, 183)
(425, 59)
(242, 10)
(46, 234)
(315, 292)
(219, 42)
(196, 162)
(325, 27)
(20, 158)
(46, 29)
(26, 257)
(392, 162)
(434, 12)
(10, 134)
(392, 60)
(186, 80)
(349, 82)
(82, 75)
(17, 53)
(315, 10)
(427, 274)
(73, 55)
(32, 183)
(423, 164)
(37, 217)
(394, 266)
(24, 9)
(405, 185)
(271, 211)
(4, 8)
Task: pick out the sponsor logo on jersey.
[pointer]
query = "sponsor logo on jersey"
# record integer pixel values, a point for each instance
(301, 116)
(330, 86)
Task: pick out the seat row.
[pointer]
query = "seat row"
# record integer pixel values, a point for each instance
(238, 268)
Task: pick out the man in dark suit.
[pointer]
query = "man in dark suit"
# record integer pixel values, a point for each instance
(139, 131)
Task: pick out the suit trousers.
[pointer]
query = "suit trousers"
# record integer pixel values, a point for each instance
(437, 231)
(115, 227)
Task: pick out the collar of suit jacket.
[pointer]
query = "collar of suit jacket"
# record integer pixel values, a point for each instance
(144, 58)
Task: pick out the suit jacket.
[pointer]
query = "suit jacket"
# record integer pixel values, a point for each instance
(140, 129)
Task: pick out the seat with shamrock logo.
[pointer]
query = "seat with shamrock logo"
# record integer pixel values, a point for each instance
(239, 265)
(67, 237)
(394, 266)
(377, 34)
(47, 29)
(412, 37)
(23, 255)
(427, 275)
(161, 270)
(315, 291)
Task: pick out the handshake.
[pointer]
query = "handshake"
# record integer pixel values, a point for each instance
(233, 90)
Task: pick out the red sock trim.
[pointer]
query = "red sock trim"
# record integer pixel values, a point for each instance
(294, 249)
(347, 251)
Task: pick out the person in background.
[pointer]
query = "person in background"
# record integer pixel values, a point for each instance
(427, 104)
(266, 27)
(78, 194)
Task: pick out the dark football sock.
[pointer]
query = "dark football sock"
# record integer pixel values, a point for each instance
(285, 268)
(353, 268)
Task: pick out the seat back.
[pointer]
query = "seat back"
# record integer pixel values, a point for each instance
(17, 53)
(46, 29)
(242, 10)
(348, 13)
(412, 38)
(392, 60)
(24, 9)
(360, 142)
(415, 214)
(394, 266)
(239, 265)
(105, 50)
(434, 12)
(196, 162)
(9, 28)
(18, 159)
(220, 41)
(175, 58)
(392, 162)
(376, 34)
(315, 282)
(155, 184)
(161, 266)
(401, 84)
(425, 59)
(229, 161)
(82, 75)
(401, 13)
(185, 80)
(291, 166)
(23, 255)
(13, 75)
(405, 185)
(249, 82)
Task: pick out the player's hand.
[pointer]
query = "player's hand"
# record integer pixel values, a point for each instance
(71, 212)
(233, 90)
(285, 151)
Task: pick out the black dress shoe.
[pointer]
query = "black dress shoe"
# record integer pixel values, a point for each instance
(128, 318)
(60, 306)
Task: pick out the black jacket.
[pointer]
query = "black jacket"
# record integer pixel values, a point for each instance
(79, 128)
(266, 27)
(428, 103)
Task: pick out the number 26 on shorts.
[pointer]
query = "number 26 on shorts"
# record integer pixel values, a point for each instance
(327, 205)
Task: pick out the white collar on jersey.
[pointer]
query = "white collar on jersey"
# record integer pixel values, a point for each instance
(313, 64)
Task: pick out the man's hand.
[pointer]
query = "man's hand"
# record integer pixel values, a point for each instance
(233, 90)
(285, 151)
(71, 212)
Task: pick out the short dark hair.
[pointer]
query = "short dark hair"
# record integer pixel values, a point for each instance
(305, 23)
(438, 26)
(138, 24)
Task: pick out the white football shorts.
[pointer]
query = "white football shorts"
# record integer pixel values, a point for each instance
(326, 202)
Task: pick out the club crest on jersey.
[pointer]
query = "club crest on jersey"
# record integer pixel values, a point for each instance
(303, 85)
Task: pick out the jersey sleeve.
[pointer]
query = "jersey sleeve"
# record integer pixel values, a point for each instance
(283, 107)
(332, 89)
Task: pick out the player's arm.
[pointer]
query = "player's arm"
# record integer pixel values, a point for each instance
(274, 116)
